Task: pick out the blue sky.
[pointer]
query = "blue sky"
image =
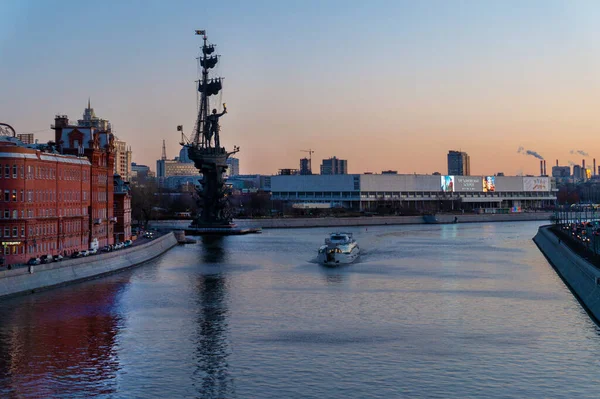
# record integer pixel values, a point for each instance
(384, 84)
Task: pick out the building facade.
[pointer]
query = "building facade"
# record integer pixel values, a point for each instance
(122, 210)
(305, 167)
(233, 168)
(123, 160)
(46, 203)
(459, 163)
(425, 192)
(26, 138)
(334, 166)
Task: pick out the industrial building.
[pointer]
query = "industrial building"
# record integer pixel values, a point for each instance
(423, 192)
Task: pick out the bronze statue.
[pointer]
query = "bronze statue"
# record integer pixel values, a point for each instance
(213, 126)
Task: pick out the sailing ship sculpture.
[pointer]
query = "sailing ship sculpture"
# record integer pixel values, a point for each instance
(205, 150)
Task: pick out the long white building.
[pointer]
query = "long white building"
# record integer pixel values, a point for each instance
(365, 191)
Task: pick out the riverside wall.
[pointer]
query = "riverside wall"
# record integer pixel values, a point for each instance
(582, 278)
(24, 280)
(278, 223)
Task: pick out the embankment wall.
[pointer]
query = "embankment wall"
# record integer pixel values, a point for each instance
(30, 279)
(578, 274)
(278, 223)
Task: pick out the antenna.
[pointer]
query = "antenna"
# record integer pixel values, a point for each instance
(310, 152)
(164, 152)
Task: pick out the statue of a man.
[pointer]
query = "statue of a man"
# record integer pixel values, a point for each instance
(213, 125)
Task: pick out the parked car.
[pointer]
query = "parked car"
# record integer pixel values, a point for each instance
(46, 258)
(128, 243)
(107, 248)
(92, 251)
(76, 254)
(34, 261)
(85, 253)
(58, 258)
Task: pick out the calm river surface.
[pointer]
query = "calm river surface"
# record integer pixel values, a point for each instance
(459, 311)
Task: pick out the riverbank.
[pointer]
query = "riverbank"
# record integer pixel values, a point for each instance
(280, 223)
(582, 278)
(31, 279)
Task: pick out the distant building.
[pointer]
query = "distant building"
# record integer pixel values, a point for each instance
(561, 171)
(500, 174)
(459, 163)
(305, 168)
(181, 166)
(26, 138)
(233, 166)
(577, 172)
(288, 172)
(334, 166)
(122, 160)
(389, 172)
(140, 173)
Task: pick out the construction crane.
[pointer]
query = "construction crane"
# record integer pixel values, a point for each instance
(310, 152)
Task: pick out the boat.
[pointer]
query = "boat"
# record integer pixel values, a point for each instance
(339, 249)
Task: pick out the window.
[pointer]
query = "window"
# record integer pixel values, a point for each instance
(6, 231)
(6, 214)
(6, 195)
(15, 171)
(7, 171)
(15, 232)
(14, 195)
(22, 196)
(15, 214)
(22, 231)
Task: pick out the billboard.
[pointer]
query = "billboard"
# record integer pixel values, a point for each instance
(489, 184)
(467, 183)
(447, 183)
(536, 184)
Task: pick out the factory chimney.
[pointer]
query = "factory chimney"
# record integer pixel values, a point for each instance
(541, 168)
(557, 162)
(545, 168)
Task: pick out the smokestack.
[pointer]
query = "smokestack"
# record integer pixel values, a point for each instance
(557, 162)
(541, 168)
(545, 168)
(594, 170)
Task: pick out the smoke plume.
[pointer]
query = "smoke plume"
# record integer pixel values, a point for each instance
(580, 152)
(523, 151)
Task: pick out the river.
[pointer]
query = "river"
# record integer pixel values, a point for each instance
(432, 311)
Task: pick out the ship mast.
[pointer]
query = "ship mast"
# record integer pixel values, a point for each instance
(206, 87)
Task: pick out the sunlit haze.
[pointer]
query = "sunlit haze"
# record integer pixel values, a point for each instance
(385, 85)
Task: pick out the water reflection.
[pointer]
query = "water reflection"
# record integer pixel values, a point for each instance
(60, 343)
(214, 378)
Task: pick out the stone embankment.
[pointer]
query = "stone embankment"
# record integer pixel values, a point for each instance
(278, 223)
(579, 275)
(30, 279)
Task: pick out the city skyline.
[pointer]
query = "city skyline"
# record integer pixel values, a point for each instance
(385, 85)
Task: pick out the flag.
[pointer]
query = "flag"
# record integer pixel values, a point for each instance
(180, 128)
(201, 32)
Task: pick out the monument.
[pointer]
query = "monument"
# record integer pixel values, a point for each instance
(209, 157)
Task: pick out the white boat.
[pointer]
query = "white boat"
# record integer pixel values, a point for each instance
(339, 249)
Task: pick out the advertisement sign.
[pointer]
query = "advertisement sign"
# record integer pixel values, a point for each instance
(447, 183)
(536, 184)
(467, 183)
(489, 184)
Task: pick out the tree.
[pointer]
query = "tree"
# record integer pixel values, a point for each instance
(143, 200)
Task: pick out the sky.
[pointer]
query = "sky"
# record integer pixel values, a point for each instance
(383, 84)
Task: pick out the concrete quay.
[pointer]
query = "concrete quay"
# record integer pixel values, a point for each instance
(582, 277)
(30, 279)
(279, 223)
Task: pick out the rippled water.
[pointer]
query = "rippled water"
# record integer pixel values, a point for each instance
(467, 310)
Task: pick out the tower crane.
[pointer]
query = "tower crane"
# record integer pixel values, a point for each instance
(310, 152)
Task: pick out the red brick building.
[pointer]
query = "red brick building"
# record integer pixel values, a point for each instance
(122, 212)
(57, 199)
(45, 202)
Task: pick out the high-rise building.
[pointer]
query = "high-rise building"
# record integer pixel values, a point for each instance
(122, 160)
(577, 172)
(334, 166)
(305, 166)
(26, 138)
(233, 166)
(459, 163)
